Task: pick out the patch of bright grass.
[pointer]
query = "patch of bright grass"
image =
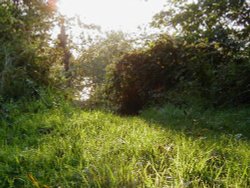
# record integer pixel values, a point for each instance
(164, 147)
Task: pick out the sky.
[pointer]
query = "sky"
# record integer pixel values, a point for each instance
(125, 15)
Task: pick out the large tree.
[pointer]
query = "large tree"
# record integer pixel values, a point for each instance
(24, 45)
(224, 21)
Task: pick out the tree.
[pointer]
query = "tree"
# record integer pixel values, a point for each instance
(24, 46)
(94, 61)
(63, 43)
(225, 21)
(217, 35)
(207, 58)
(142, 76)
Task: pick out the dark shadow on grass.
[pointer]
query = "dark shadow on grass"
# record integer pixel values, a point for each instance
(199, 122)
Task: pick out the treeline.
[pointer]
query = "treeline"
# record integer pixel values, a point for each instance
(174, 71)
(204, 58)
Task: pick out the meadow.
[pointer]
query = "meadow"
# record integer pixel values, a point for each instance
(169, 146)
(84, 105)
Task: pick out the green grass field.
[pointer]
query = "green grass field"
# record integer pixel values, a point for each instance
(162, 147)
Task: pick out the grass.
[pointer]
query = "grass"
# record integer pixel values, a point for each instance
(163, 147)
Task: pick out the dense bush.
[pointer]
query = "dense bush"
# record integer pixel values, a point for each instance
(24, 47)
(144, 75)
(200, 70)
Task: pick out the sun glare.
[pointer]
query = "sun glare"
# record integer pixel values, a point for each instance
(125, 15)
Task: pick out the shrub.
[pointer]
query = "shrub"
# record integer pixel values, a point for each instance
(203, 70)
(141, 76)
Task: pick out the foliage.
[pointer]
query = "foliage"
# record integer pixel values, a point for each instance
(48, 98)
(46, 142)
(24, 47)
(218, 32)
(222, 21)
(142, 75)
(208, 58)
(200, 70)
(218, 76)
(93, 63)
(94, 60)
(165, 147)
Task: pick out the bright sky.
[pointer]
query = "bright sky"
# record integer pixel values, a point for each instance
(125, 15)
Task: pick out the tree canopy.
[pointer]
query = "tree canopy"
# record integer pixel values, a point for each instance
(24, 46)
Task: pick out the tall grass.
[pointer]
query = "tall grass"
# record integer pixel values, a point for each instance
(165, 147)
